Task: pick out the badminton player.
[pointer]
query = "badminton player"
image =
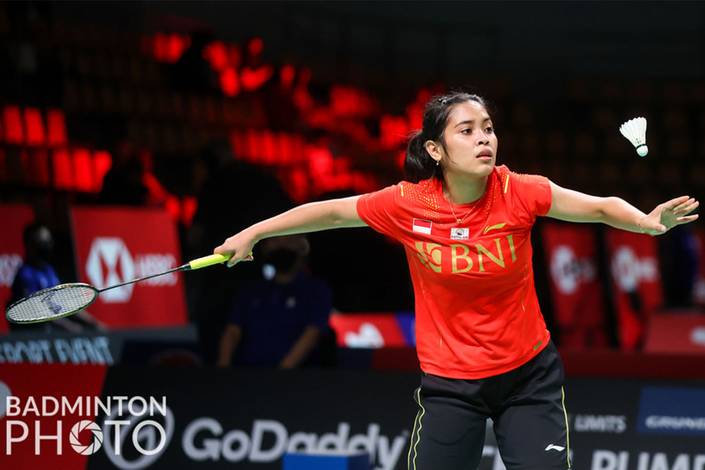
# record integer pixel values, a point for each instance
(482, 341)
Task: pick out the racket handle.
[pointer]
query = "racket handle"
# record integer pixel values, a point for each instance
(206, 261)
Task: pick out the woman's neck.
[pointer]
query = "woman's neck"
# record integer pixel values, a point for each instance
(464, 190)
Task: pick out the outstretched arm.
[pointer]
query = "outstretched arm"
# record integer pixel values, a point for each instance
(575, 206)
(311, 217)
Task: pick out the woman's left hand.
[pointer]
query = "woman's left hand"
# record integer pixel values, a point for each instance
(669, 214)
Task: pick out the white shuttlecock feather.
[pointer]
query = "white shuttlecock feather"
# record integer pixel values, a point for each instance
(635, 132)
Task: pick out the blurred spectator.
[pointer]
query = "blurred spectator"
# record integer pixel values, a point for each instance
(37, 273)
(122, 184)
(131, 180)
(278, 321)
(192, 73)
(231, 195)
(225, 182)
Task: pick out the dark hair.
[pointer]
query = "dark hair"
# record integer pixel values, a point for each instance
(418, 164)
(31, 232)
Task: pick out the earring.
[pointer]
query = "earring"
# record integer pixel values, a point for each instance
(438, 162)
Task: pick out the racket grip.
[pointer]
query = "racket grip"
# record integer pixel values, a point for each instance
(206, 261)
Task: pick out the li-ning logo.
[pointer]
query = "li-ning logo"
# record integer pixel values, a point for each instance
(109, 262)
(494, 227)
(554, 447)
(95, 444)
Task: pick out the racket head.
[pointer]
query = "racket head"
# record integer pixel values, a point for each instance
(52, 303)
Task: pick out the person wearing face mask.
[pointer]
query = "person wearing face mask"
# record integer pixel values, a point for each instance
(37, 273)
(277, 321)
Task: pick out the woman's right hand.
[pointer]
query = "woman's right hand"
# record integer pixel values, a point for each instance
(237, 248)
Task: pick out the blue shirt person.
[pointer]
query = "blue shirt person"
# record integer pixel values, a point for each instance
(277, 322)
(32, 278)
(37, 273)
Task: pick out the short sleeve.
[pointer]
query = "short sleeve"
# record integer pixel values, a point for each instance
(532, 193)
(377, 210)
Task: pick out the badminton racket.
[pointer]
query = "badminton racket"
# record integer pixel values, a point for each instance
(67, 299)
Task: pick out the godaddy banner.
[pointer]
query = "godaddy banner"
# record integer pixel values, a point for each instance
(82, 417)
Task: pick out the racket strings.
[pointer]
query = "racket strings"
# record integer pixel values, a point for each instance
(52, 303)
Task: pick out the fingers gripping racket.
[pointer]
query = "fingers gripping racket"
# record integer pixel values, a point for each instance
(66, 299)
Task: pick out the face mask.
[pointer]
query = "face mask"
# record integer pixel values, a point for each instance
(45, 251)
(282, 259)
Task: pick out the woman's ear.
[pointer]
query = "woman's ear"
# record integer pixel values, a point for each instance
(434, 150)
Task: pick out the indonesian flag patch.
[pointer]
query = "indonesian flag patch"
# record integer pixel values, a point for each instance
(422, 226)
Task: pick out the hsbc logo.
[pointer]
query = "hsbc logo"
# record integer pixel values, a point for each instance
(110, 262)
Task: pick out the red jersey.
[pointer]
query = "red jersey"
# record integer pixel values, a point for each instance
(477, 314)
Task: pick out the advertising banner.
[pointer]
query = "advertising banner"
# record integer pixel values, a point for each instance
(106, 348)
(374, 330)
(15, 218)
(576, 291)
(636, 282)
(633, 425)
(114, 245)
(676, 332)
(166, 418)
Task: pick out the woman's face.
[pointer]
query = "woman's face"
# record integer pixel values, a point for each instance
(470, 141)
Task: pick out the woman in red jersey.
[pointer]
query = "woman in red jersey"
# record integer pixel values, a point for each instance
(481, 338)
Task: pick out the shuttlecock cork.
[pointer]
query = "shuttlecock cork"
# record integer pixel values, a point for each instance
(635, 132)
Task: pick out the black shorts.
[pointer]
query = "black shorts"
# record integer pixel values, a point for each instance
(527, 407)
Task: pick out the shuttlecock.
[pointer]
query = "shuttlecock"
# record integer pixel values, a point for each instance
(635, 132)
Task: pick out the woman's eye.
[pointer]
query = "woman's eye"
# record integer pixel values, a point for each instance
(489, 130)
(466, 131)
